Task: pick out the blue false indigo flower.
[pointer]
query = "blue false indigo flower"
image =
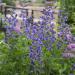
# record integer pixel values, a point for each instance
(32, 62)
(59, 44)
(49, 48)
(39, 49)
(52, 39)
(40, 42)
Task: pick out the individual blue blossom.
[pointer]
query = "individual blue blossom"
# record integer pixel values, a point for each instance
(52, 39)
(59, 45)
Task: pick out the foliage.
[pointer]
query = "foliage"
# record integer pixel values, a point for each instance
(73, 31)
(14, 56)
(69, 7)
(40, 1)
(2, 23)
(9, 2)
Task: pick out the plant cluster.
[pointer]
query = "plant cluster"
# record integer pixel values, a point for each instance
(36, 48)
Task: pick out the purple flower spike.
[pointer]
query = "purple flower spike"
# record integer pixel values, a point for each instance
(71, 46)
(69, 37)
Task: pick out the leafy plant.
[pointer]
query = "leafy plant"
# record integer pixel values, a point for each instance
(9, 2)
(14, 56)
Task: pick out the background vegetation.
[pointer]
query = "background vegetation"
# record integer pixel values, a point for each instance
(69, 7)
(9, 2)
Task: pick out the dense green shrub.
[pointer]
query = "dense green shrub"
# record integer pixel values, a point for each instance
(73, 31)
(9, 2)
(14, 56)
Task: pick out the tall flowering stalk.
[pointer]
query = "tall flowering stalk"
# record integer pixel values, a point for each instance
(42, 33)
